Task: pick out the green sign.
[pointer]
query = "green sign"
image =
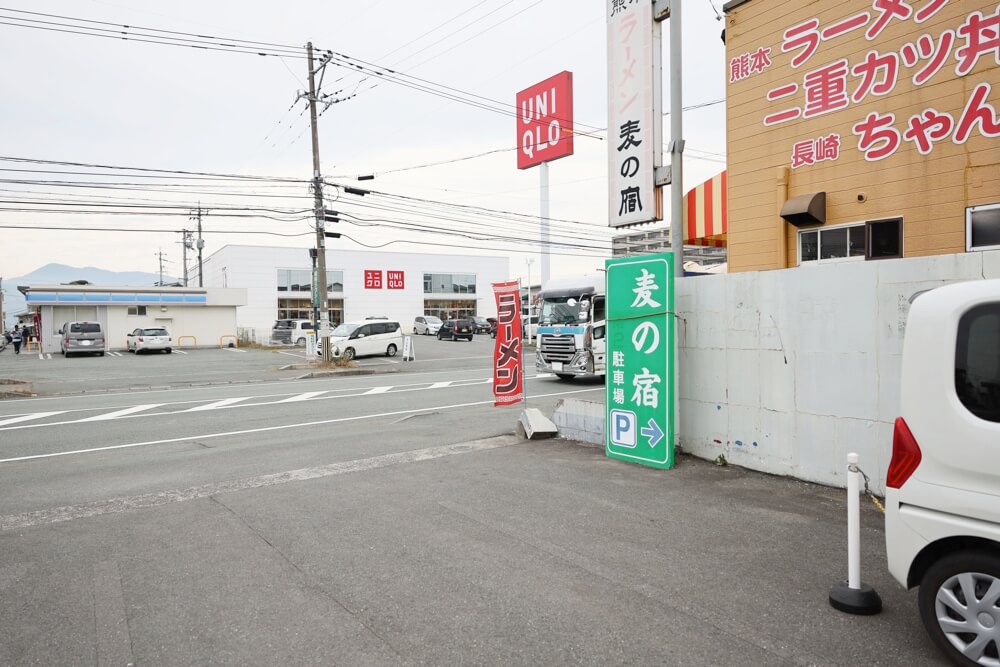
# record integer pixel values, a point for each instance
(640, 380)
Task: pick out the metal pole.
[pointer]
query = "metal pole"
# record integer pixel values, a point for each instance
(184, 253)
(200, 244)
(530, 261)
(676, 141)
(543, 176)
(321, 286)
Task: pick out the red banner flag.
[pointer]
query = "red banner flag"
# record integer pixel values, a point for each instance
(508, 363)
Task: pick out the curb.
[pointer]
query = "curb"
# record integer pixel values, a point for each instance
(347, 372)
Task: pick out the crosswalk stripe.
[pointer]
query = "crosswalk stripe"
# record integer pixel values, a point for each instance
(302, 397)
(218, 404)
(24, 418)
(121, 413)
(377, 390)
(440, 385)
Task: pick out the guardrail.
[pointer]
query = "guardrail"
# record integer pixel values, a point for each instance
(235, 343)
(180, 340)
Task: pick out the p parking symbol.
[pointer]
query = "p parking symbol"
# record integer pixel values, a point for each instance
(623, 428)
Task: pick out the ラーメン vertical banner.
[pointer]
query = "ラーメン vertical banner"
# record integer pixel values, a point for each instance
(640, 339)
(508, 363)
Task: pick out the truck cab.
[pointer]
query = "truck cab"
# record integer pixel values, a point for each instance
(571, 328)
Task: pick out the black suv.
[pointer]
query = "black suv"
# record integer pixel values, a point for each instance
(456, 330)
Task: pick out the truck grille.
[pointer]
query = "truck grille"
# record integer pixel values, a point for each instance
(557, 348)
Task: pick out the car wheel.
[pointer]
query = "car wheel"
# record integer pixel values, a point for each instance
(390, 351)
(349, 353)
(959, 604)
(168, 350)
(564, 376)
(301, 342)
(100, 354)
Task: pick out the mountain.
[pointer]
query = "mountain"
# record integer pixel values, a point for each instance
(57, 274)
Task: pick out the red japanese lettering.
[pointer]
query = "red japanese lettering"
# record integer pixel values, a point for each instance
(847, 25)
(739, 68)
(803, 153)
(927, 128)
(782, 116)
(929, 10)
(782, 91)
(936, 52)
(803, 36)
(887, 10)
(982, 36)
(878, 74)
(828, 147)
(760, 60)
(977, 112)
(826, 89)
(877, 138)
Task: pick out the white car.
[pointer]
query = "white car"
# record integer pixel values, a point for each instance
(942, 520)
(154, 339)
(358, 339)
(427, 325)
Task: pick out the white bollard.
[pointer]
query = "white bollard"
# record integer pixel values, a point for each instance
(854, 596)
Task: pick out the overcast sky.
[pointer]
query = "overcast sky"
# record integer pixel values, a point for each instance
(83, 99)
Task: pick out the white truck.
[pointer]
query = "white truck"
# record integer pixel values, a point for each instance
(571, 327)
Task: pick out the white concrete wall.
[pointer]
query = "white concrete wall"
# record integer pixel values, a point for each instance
(255, 268)
(787, 371)
(199, 326)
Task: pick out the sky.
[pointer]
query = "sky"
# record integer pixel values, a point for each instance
(74, 98)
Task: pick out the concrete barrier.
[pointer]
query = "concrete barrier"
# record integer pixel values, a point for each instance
(582, 420)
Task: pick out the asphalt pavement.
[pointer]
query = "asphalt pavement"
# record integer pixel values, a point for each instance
(394, 519)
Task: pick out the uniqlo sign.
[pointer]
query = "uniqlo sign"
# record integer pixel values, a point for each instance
(373, 279)
(394, 280)
(545, 121)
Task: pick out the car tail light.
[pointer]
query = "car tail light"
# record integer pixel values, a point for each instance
(905, 455)
(141, 340)
(170, 339)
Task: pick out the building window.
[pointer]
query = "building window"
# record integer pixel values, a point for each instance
(982, 227)
(875, 239)
(449, 283)
(137, 310)
(301, 309)
(300, 280)
(448, 309)
(977, 361)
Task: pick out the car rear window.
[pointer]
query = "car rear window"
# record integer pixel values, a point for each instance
(85, 327)
(154, 332)
(977, 361)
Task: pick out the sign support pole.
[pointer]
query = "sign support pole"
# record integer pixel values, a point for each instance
(543, 186)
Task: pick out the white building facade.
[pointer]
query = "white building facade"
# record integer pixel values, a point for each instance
(399, 286)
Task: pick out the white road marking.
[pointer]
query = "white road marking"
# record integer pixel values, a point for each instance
(233, 349)
(440, 385)
(179, 351)
(120, 413)
(41, 356)
(293, 354)
(24, 418)
(126, 503)
(281, 427)
(376, 390)
(302, 397)
(48, 356)
(218, 404)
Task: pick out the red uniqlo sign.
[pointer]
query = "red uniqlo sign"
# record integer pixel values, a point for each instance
(373, 279)
(545, 121)
(394, 280)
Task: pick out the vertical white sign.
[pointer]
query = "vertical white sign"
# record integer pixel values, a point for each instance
(633, 137)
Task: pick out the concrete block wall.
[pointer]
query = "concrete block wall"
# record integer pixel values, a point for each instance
(787, 371)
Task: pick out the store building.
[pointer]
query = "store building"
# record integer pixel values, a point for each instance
(360, 284)
(194, 317)
(861, 130)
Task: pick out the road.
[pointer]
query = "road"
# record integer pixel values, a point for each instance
(385, 519)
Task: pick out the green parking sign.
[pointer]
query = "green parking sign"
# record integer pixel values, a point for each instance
(640, 339)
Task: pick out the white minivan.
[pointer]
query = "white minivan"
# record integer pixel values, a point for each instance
(358, 339)
(942, 520)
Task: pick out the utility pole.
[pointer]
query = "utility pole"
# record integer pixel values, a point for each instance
(321, 285)
(200, 244)
(186, 243)
(161, 255)
(3, 317)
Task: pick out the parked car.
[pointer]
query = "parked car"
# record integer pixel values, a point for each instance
(427, 325)
(456, 330)
(358, 339)
(85, 337)
(942, 519)
(155, 339)
(479, 324)
(291, 331)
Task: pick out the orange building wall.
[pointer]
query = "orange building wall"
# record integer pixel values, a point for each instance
(929, 192)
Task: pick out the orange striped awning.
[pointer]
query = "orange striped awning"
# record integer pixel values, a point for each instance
(705, 213)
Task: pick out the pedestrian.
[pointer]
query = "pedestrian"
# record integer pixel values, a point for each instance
(15, 338)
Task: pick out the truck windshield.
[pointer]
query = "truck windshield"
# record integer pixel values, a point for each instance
(559, 311)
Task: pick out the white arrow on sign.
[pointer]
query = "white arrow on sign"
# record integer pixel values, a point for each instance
(653, 432)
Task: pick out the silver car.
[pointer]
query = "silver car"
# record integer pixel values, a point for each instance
(154, 339)
(427, 325)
